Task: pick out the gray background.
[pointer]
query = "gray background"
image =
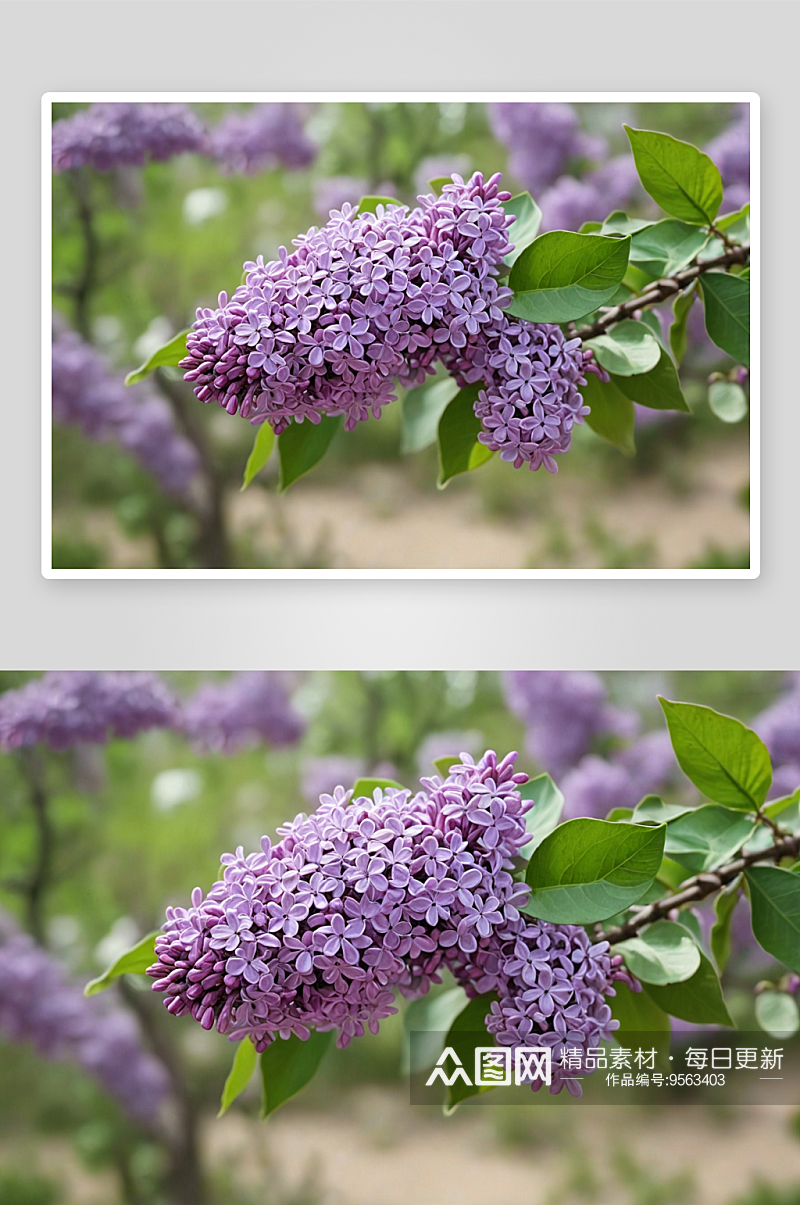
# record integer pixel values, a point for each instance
(399, 46)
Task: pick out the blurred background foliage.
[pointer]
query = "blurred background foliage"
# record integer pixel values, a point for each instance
(171, 235)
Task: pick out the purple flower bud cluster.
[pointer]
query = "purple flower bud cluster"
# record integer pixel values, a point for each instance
(570, 202)
(66, 708)
(87, 395)
(542, 138)
(117, 134)
(365, 897)
(563, 712)
(596, 785)
(38, 1004)
(246, 709)
(325, 329)
(264, 137)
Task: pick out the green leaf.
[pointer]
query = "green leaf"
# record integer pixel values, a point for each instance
(302, 445)
(666, 247)
(443, 764)
(707, 837)
(679, 177)
(244, 1064)
(728, 401)
(459, 449)
(433, 1016)
(663, 953)
(590, 228)
(524, 230)
(587, 870)
(777, 1013)
(288, 1065)
(262, 450)
(671, 874)
(720, 937)
(778, 806)
(698, 999)
(543, 818)
(133, 962)
(627, 349)
(618, 222)
(637, 1014)
(370, 204)
(438, 183)
(775, 901)
(422, 409)
(617, 814)
(469, 1023)
(736, 225)
(658, 389)
(170, 355)
(654, 810)
(611, 416)
(561, 276)
(677, 331)
(650, 320)
(727, 313)
(365, 786)
(724, 759)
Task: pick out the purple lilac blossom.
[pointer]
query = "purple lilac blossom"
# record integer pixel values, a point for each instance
(571, 202)
(264, 137)
(563, 712)
(87, 395)
(246, 709)
(66, 708)
(116, 134)
(541, 138)
(38, 1004)
(367, 896)
(370, 297)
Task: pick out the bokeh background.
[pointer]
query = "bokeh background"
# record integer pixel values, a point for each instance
(149, 477)
(119, 794)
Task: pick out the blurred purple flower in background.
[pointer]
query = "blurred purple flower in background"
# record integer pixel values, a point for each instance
(87, 395)
(38, 1004)
(265, 136)
(542, 138)
(246, 709)
(116, 134)
(730, 150)
(779, 728)
(596, 785)
(571, 202)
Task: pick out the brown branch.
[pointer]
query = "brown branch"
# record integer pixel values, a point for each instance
(661, 290)
(698, 887)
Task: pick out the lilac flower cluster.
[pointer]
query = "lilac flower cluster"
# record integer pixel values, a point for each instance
(117, 134)
(245, 709)
(38, 1004)
(263, 137)
(596, 785)
(542, 138)
(325, 329)
(570, 202)
(367, 896)
(66, 708)
(563, 712)
(87, 395)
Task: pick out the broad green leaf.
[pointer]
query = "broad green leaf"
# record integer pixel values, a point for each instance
(470, 1023)
(679, 177)
(364, 787)
(649, 319)
(777, 1013)
(431, 1016)
(736, 225)
(778, 806)
(775, 901)
(690, 920)
(658, 389)
(587, 870)
(422, 409)
(590, 228)
(133, 962)
(262, 450)
(728, 401)
(618, 222)
(653, 809)
(543, 818)
(170, 355)
(524, 230)
(724, 759)
(443, 764)
(666, 247)
(370, 204)
(698, 999)
(302, 445)
(438, 183)
(671, 874)
(707, 837)
(626, 349)
(663, 953)
(288, 1065)
(244, 1064)
(677, 331)
(618, 814)
(459, 427)
(720, 937)
(611, 416)
(637, 1014)
(727, 313)
(561, 276)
